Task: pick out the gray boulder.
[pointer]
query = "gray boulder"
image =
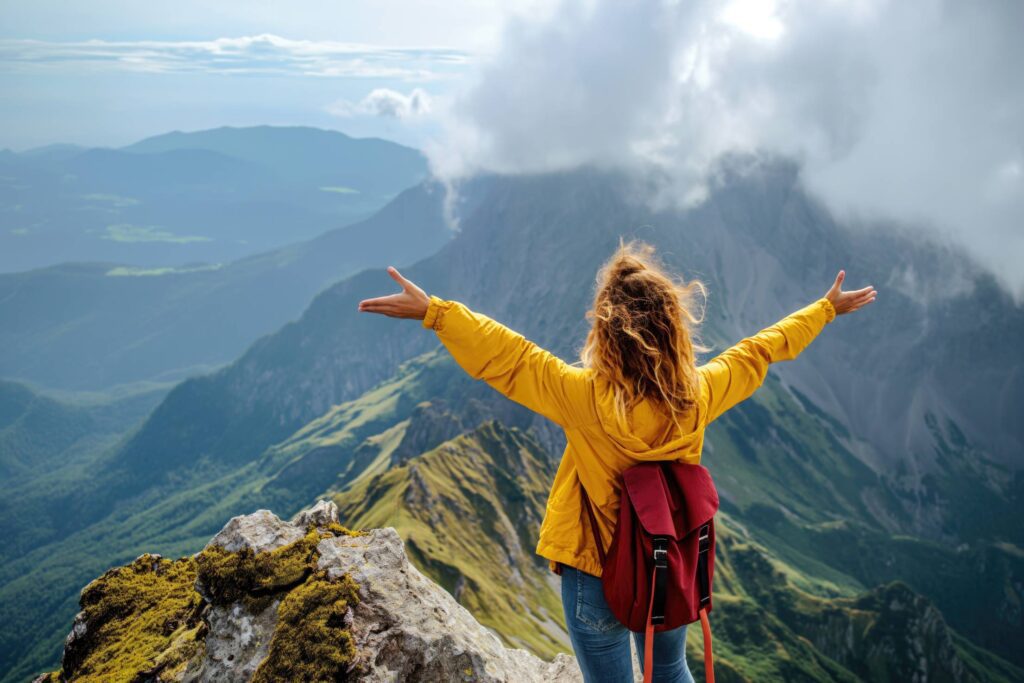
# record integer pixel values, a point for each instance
(261, 531)
(407, 628)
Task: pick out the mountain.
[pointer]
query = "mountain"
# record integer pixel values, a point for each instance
(530, 244)
(49, 445)
(765, 607)
(373, 444)
(429, 498)
(318, 157)
(39, 433)
(57, 150)
(843, 499)
(469, 511)
(314, 599)
(268, 600)
(182, 199)
(98, 325)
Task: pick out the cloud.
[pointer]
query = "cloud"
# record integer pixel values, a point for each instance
(265, 54)
(911, 110)
(386, 103)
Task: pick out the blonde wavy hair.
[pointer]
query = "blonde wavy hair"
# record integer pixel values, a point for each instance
(643, 337)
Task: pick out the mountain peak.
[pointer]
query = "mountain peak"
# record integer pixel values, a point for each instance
(270, 600)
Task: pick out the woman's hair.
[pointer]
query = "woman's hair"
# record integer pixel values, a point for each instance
(642, 338)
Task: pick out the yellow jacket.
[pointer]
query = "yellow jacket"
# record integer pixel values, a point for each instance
(580, 401)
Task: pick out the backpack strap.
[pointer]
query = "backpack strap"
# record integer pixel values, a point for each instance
(649, 635)
(656, 607)
(704, 584)
(660, 586)
(593, 524)
(703, 580)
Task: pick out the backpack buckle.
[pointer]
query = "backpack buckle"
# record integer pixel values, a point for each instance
(704, 539)
(660, 587)
(661, 553)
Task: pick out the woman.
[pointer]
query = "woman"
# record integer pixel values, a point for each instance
(639, 396)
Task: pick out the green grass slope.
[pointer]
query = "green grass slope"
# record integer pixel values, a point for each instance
(469, 512)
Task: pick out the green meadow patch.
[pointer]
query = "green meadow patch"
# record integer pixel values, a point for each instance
(132, 271)
(339, 189)
(112, 199)
(126, 232)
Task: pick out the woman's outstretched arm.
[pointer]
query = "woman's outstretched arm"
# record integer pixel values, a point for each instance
(736, 373)
(487, 350)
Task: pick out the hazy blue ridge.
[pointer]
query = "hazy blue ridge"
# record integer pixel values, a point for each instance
(183, 198)
(98, 325)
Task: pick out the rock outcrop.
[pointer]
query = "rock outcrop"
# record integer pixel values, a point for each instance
(270, 600)
(407, 628)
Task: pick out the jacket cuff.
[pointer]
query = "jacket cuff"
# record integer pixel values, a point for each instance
(433, 309)
(830, 310)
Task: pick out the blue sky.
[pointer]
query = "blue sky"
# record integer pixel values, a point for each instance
(111, 72)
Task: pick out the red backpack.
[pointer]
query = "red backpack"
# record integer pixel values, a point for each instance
(657, 573)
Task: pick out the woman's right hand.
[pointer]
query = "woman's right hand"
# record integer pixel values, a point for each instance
(847, 302)
(411, 302)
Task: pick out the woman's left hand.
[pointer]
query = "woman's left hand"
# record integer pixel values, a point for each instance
(411, 302)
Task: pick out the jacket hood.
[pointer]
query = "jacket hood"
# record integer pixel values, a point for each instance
(647, 433)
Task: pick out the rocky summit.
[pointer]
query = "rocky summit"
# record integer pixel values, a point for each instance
(274, 600)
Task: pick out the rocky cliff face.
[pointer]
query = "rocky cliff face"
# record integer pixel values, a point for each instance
(269, 600)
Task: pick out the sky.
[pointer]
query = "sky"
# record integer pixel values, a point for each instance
(111, 72)
(911, 110)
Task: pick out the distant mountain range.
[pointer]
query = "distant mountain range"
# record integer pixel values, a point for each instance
(92, 326)
(870, 490)
(184, 200)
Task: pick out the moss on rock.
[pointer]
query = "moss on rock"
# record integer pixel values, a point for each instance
(144, 621)
(342, 530)
(245, 575)
(250, 577)
(312, 641)
(143, 618)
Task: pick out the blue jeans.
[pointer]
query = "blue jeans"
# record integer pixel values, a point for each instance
(601, 643)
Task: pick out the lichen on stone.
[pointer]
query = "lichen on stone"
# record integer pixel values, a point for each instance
(145, 621)
(251, 577)
(342, 530)
(143, 618)
(312, 641)
(247, 576)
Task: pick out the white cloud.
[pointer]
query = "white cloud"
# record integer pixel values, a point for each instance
(912, 110)
(386, 103)
(266, 54)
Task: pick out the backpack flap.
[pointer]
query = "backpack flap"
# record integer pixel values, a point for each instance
(671, 499)
(699, 496)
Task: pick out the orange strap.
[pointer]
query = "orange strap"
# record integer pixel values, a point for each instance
(709, 662)
(649, 636)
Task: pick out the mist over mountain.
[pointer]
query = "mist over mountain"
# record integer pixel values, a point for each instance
(892, 437)
(890, 107)
(182, 200)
